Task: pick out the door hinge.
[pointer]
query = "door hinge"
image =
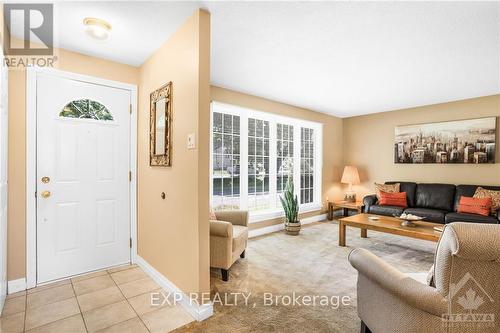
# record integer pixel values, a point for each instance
(130, 108)
(130, 176)
(130, 242)
(35, 194)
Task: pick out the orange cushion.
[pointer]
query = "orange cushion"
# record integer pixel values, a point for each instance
(393, 199)
(479, 206)
(494, 195)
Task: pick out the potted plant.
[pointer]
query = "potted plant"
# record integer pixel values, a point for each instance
(290, 205)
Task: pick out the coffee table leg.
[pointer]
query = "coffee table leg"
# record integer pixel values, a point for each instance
(364, 233)
(341, 234)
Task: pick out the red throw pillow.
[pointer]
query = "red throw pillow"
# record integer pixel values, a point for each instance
(393, 199)
(479, 206)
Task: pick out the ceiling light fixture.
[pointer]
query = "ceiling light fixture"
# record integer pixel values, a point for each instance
(97, 28)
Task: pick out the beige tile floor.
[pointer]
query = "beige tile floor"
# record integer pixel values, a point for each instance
(114, 300)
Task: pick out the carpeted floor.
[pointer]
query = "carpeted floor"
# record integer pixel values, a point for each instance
(309, 264)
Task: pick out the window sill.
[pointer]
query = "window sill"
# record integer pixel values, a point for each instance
(278, 212)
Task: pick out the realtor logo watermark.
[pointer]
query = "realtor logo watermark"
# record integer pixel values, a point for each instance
(29, 34)
(470, 305)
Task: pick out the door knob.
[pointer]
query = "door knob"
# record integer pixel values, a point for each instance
(45, 194)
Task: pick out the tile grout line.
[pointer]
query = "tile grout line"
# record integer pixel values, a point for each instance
(48, 287)
(79, 308)
(126, 299)
(52, 302)
(82, 277)
(107, 273)
(102, 306)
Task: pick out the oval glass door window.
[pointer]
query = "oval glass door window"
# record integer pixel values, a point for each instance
(86, 109)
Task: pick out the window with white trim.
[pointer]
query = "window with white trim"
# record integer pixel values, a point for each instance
(306, 165)
(226, 161)
(258, 164)
(255, 153)
(284, 157)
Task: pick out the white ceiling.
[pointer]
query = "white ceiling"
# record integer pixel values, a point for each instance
(352, 58)
(340, 58)
(139, 27)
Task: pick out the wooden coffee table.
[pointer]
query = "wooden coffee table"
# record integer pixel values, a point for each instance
(390, 225)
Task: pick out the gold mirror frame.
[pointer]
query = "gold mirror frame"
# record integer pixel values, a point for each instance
(161, 159)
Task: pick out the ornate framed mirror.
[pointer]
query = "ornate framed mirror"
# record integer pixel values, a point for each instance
(160, 130)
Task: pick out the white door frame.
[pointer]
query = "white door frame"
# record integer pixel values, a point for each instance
(31, 111)
(4, 86)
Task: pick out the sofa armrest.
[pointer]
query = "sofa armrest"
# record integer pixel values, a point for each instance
(221, 229)
(368, 201)
(408, 290)
(498, 215)
(237, 217)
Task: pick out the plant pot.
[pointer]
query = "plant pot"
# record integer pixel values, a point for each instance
(292, 228)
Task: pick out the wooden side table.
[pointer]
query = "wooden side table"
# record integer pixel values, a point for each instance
(346, 205)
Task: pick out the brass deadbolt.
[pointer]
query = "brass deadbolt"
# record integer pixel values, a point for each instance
(45, 179)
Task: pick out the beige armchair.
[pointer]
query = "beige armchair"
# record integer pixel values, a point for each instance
(228, 239)
(464, 296)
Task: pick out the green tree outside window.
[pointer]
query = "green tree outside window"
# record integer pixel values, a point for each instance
(86, 109)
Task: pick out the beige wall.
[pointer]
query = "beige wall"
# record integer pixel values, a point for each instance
(369, 145)
(68, 61)
(173, 233)
(332, 139)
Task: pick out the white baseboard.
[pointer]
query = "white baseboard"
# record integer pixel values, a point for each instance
(2, 303)
(312, 219)
(265, 230)
(199, 312)
(13, 286)
(281, 226)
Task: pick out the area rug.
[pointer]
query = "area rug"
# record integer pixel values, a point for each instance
(259, 296)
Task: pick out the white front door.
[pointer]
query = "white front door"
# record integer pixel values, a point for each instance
(83, 163)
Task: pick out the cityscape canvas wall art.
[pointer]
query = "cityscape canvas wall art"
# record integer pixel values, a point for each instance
(469, 141)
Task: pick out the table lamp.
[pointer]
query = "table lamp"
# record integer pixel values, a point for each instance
(351, 177)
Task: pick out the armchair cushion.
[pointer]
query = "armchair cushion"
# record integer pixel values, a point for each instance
(236, 217)
(467, 247)
(402, 286)
(478, 242)
(221, 229)
(240, 236)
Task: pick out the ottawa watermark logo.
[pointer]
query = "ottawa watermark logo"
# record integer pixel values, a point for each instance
(470, 305)
(28, 34)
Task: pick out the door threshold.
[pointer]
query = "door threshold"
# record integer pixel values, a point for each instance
(82, 274)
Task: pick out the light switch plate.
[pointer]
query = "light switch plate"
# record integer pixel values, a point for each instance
(191, 141)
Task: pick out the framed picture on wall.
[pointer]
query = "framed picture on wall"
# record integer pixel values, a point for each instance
(471, 141)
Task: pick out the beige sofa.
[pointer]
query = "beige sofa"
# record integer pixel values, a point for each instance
(463, 297)
(228, 239)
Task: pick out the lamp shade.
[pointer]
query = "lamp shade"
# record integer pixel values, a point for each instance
(350, 175)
